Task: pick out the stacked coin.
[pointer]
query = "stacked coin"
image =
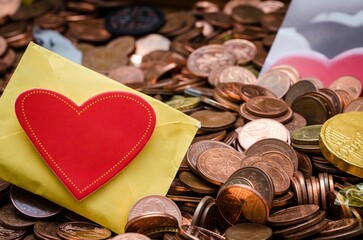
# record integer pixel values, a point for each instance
(24, 215)
(298, 222)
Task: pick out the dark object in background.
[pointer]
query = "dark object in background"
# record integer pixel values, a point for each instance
(134, 20)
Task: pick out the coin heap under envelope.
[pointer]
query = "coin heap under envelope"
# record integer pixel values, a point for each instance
(274, 153)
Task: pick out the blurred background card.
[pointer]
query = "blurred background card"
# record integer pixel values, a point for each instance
(322, 39)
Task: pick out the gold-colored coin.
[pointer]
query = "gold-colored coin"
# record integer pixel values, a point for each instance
(184, 103)
(308, 135)
(341, 141)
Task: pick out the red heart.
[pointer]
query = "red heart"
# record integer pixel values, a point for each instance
(314, 64)
(86, 145)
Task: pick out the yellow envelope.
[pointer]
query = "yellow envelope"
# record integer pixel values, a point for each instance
(151, 172)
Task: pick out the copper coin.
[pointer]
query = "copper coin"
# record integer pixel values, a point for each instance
(276, 81)
(331, 182)
(275, 145)
(302, 226)
(268, 41)
(301, 180)
(216, 165)
(50, 21)
(249, 91)
(198, 148)
(348, 83)
(238, 201)
(199, 91)
(272, 21)
(203, 60)
(163, 57)
(123, 45)
(311, 108)
(344, 97)
(89, 30)
(282, 200)
(29, 11)
(214, 120)
(338, 226)
(230, 138)
(200, 208)
(333, 96)
(215, 104)
(279, 177)
(197, 184)
(264, 106)
(11, 234)
(194, 233)
(305, 166)
(354, 233)
(155, 204)
(230, 90)
(309, 188)
(177, 23)
(323, 192)
(293, 215)
(11, 219)
(231, 106)
(296, 188)
(177, 187)
(248, 231)
(31, 205)
(131, 236)
(247, 14)
(326, 100)
(261, 56)
(248, 115)
(184, 199)
(208, 219)
(47, 230)
(143, 223)
(326, 182)
(308, 232)
(250, 160)
(355, 105)
(316, 190)
(12, 29)
(299, 89)
(81, 230)
(261, 129)
(259, 180)
(244, 50)
(218, 19)
(228, 7)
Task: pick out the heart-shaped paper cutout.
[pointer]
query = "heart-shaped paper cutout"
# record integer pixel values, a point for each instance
(314, 64)
(86, 145)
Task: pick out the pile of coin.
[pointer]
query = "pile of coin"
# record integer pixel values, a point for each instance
(257, 167)
(24, 215)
